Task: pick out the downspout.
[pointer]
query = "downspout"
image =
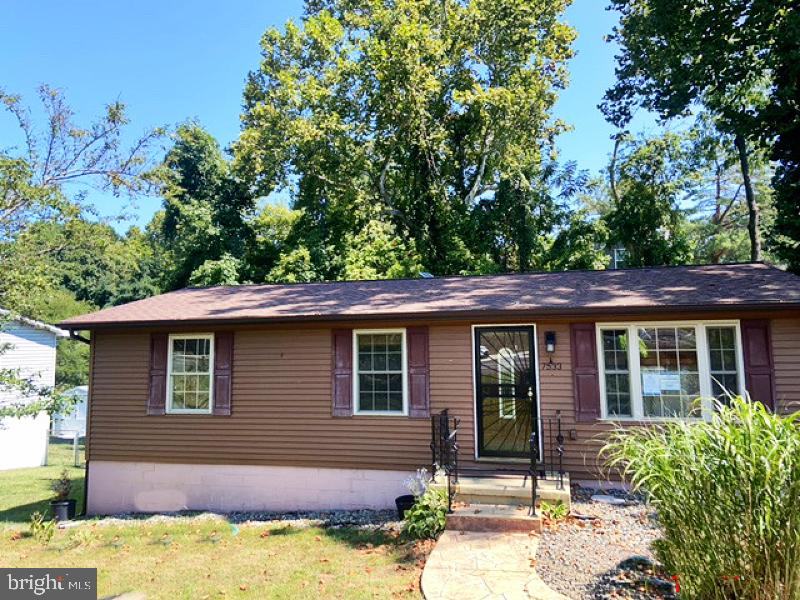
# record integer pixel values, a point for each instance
(79, 338)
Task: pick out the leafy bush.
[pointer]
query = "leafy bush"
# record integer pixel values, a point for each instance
(727, 494)
(554, 512)
(426, 519)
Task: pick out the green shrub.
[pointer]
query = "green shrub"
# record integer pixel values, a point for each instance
(554, 512)
(727, 493)
(42, 530)
(427, 518)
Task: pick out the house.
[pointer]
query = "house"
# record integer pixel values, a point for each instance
(321, 395)
(28, 351)
(67, 424)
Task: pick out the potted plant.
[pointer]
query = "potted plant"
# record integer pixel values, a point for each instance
(417, 484)
(63, 506)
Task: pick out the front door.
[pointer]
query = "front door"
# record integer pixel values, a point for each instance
(505, 377)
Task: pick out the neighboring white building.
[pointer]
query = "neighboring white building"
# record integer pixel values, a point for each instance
(65, 425)
(29, 346)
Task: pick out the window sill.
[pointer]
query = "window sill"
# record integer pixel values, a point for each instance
(379, 414)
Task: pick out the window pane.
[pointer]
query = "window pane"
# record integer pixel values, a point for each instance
(687, 340)
(380, 377)
(617, 378)
(190, 372)
(722, 358)
(669, 371)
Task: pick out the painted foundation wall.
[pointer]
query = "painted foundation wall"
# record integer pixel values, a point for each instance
(121, 487)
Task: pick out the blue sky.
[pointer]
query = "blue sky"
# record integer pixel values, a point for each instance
(169, 64)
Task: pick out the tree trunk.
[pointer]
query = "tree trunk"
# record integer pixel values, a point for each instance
(753, 224)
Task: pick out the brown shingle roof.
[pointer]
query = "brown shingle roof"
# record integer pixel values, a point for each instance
(569, 292)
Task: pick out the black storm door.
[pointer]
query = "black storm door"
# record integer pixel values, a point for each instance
(506, 390)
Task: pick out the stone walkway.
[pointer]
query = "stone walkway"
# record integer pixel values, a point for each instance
(484, 566)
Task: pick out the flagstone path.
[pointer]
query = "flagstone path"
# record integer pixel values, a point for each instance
(469, 565)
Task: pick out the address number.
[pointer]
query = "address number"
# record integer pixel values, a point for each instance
(551, 366)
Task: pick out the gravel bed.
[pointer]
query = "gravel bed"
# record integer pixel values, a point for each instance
(383, 520)
(606, 554)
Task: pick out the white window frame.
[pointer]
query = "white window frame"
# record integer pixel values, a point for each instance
(634, 368)
(190, 411)
(403, 364)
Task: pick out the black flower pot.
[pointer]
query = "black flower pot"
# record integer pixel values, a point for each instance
(403, 504)
(63, 510)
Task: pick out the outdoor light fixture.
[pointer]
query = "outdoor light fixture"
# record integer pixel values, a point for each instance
(550, 341)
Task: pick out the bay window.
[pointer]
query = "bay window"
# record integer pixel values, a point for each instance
(667, 370)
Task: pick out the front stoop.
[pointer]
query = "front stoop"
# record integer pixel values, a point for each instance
(512, 490)
(493, 517)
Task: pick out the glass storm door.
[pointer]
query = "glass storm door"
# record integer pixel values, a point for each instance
(506, 390)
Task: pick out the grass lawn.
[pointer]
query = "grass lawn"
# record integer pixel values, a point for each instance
(24, 491)
(203, 557)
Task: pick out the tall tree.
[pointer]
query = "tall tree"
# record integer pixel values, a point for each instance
(406, 112)
(651, 176)
(717, 54)
(43, 183)
(206, 212)
(782, 124)
(532, 224)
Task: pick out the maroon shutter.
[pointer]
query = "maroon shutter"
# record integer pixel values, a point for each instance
(419, 395)
(157, 397)
(223, 372)
(584, 369)
(758, 367)
(342, 384)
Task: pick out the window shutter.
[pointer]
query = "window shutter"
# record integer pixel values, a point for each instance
(758, 367)
(419, 396)
(342, 384)
(157, 398)
(584, 369)
(223, 372)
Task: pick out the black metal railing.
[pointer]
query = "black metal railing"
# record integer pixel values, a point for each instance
(546, 454)
(444, 450)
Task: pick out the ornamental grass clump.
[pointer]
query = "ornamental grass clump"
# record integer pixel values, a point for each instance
(727, 494)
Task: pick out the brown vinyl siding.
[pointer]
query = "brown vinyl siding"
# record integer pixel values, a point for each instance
(786, 356)
(281, 402)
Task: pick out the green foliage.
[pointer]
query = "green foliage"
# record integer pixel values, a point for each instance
(735, 59)
(726, 495)
(294, 267)
(377, 252)
(224, 271)
(554, 511)
(62, 486)
(41, 529)
(427, 518)
(651, 175)
(782, 123)
(407, 112)
(204, 228)
(529, 224)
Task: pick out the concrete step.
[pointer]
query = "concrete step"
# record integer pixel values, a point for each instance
(492, 517)
(507, 489)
